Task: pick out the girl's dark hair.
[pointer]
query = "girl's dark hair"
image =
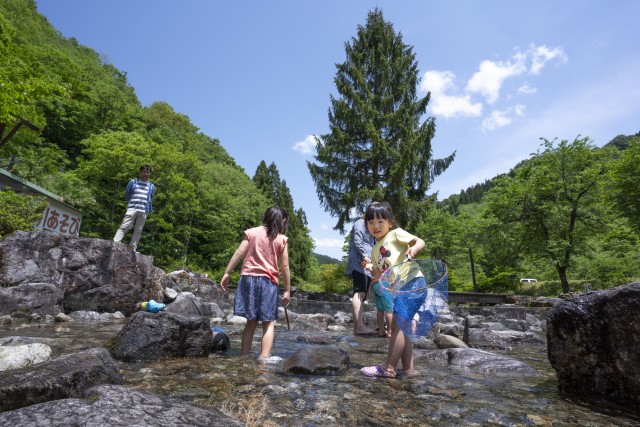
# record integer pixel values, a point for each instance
(380, 210)
(275, 219)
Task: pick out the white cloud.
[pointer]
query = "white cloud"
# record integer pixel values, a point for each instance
(438, 82)
(451, 106)
(307, 146)
(329, 243)
(525, 89)
(491, 75)
(498, 119)
(540, 55)
(489, 78)
(449, 101)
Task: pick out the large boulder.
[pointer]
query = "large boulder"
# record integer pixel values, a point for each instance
(593, 343)
(94, 274)
(188, 304)
(150, 336)
(60, 378)
(200, 285)
(115, 405)
(29, 299)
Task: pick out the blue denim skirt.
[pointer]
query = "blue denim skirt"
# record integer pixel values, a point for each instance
(256, 299)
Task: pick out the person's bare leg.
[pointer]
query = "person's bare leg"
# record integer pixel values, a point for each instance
(359, 328)
(389, 319)
(380, 315)
(397, 346)
(268, 336)
(247, 336)
(407, 355)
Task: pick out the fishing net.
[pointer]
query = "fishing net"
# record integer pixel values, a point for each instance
(419, 290)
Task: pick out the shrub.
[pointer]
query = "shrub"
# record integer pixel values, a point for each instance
(19, 212)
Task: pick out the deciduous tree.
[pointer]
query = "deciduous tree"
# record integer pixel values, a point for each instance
(555, 200)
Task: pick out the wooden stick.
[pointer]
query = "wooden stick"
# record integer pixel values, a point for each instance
(286, 316)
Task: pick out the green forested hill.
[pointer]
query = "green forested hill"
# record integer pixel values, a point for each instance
(96, 134)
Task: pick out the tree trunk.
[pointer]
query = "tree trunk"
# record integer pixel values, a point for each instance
(562, 272)
(473, 270)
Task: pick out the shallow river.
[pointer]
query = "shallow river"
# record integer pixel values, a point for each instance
(260, 394)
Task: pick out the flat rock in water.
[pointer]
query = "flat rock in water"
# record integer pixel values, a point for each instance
(317, 361)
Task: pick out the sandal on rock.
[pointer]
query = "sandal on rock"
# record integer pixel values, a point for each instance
(377, 371)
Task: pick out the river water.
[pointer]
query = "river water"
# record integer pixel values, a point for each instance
(260, 394)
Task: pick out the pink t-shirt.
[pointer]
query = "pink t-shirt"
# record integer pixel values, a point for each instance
(263, 254)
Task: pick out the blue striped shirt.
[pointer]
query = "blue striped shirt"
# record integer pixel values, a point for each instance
(139, 195)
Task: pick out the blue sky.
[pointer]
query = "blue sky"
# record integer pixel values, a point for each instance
(257, 75)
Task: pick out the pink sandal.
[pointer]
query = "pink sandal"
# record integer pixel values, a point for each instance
(377, 371)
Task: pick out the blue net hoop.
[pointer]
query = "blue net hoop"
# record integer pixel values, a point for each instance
(419, 290)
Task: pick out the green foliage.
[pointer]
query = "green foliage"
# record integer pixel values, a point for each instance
(625, 177)
(22, 83)
(19, 212)
(548, 217)
(378, 147)
(325, 259)
(552, 203)
(504, 281)
(456, 284)
(333, 278)
(300, 244)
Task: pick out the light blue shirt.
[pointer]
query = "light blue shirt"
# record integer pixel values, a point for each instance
(360, 245)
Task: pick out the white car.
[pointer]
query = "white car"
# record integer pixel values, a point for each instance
(528, 280)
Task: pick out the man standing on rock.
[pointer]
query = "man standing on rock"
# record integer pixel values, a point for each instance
(139, 193)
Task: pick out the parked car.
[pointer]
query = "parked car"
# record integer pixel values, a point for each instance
(526, 280)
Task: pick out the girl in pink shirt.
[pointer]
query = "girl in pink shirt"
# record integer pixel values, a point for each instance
(256, 298)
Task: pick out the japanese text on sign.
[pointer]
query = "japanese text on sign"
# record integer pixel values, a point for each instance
(61, 222)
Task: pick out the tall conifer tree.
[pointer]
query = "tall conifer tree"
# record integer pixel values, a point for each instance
(267, 179)
(377, 147)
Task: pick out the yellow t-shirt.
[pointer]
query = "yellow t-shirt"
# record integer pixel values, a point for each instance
(392, 250)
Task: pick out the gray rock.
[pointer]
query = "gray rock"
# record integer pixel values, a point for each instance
(170, 295)
(61, 317)
(516, 324)
(151, 336)
(30, 299)
(448, 341)
(188, 304)
(114, 405)
(319, 321)
(315, 339)
(198, 284)
(94, 274)
(235, 320)
(86, 316)
(220, 342)
(21, 356)
(317, 361)
(60, 378)
(479, 361)
(594, 343)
